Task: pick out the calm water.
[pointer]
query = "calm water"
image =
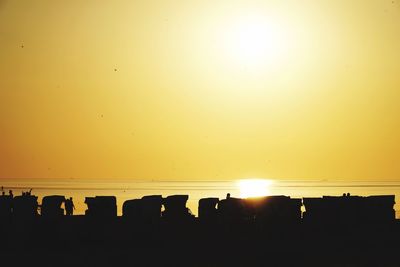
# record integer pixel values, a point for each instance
(128, 189)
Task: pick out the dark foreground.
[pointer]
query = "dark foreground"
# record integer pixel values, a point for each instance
(82, 241)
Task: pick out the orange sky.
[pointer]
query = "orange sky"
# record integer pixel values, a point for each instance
(178, 90)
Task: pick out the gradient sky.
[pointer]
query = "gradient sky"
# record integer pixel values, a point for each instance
(162, 90)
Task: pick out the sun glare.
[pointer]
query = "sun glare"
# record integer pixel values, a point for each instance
(254, 187)
(255, 41)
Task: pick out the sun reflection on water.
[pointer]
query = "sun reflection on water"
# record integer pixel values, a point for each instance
(254, 187)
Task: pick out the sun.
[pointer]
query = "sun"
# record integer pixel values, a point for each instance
(255, 41)
(254, 187)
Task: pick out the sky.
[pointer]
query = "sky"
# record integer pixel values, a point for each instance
(200, 90)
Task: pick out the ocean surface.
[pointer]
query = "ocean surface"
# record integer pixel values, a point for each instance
(125, 189)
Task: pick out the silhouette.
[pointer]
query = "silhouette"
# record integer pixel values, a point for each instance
(27, 193)
(101, 206)
(51, 206)
(69, 206)
(5, 206)
(232, 210)
(133, 209)
(348, 210)
(175, 208)
(147, 209)
(207, 209)
(274, 209)
(155, 231)
(24, 206)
